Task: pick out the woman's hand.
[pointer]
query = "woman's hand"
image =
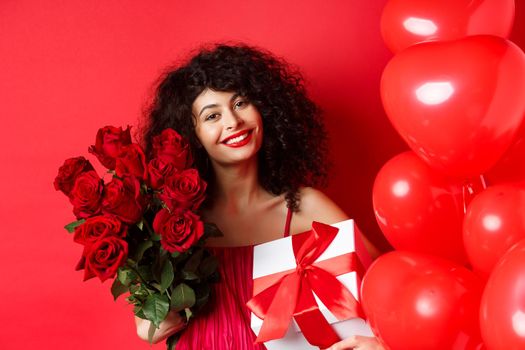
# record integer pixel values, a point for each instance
(358, 342)
(171, 325)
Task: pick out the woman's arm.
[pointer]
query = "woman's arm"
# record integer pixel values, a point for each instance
(171, 325)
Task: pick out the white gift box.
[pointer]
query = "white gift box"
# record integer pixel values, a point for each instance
(277, 256)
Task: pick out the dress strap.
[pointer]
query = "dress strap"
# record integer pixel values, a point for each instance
(288, 221)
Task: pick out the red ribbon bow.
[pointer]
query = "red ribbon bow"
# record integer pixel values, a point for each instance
(279, 297)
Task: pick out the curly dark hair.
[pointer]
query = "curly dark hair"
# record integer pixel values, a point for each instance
(294, 150)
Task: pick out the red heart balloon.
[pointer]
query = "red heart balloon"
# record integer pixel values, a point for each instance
(511, 167)
(415, 301)
(418, 208)
(458, 104)
(502, 313)
(407, 22)
(494, 222)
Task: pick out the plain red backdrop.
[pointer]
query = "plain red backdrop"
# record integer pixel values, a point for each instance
(69, 67)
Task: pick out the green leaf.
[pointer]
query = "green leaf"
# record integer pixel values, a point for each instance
(182, 297)
(138, 294)
(175, 254)
(193, 262)
(139, 312)
(140, 224)
(156, 308)
(141, 249)
(202, 294)
(145, 291)
(117, 289)
(208, 266)
(156, 286)
(126, 276)
(71, 226)
(151, 332)
(166, 276)
(148, 227)
(189, 276)
(134, 288)
(145, 272)
(158, 264)
(132, 300)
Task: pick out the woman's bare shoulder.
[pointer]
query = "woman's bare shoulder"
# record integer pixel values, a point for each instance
(314, 205)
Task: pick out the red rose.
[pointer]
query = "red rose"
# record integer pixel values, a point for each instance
(123, 199)
(178, 230)
(172, 147)
(131, 161)
(109, 143)
(183, 189)
(104, 257)
(98, 227)
(158, 170)
(86, 194)
(68, 173)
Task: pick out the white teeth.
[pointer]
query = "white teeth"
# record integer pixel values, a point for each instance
(237, 139)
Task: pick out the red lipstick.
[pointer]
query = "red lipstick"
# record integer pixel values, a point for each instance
(240, 143)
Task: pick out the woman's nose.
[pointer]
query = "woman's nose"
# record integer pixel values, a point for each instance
(232, 120)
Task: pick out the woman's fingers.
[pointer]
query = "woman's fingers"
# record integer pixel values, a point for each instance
(357, 342)
(347, 343)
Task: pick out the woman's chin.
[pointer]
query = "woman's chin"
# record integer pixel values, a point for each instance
(238, 159)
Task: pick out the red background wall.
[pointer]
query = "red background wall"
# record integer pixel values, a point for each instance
(70, 67)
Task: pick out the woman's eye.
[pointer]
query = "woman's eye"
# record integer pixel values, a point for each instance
(240, 104)
(211, 116)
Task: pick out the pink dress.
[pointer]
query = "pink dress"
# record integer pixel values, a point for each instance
(226, 326)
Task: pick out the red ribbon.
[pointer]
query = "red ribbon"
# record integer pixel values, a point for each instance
(279, 297)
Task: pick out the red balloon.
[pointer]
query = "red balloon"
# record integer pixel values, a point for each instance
(494, 222)
(407, 22)
(458, 104)
(420, 302)
(511, 167)
(502, 312)
(419, 209)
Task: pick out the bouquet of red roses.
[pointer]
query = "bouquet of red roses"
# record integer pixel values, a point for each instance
(140, 227)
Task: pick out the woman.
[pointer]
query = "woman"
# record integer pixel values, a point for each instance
(260, 144)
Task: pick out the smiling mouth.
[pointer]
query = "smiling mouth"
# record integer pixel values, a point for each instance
(239, 137)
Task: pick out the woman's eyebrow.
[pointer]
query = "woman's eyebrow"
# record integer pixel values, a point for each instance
(215, 105)
(207, 106)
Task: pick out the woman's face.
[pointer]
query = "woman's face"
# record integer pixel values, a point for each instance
(228, 126)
